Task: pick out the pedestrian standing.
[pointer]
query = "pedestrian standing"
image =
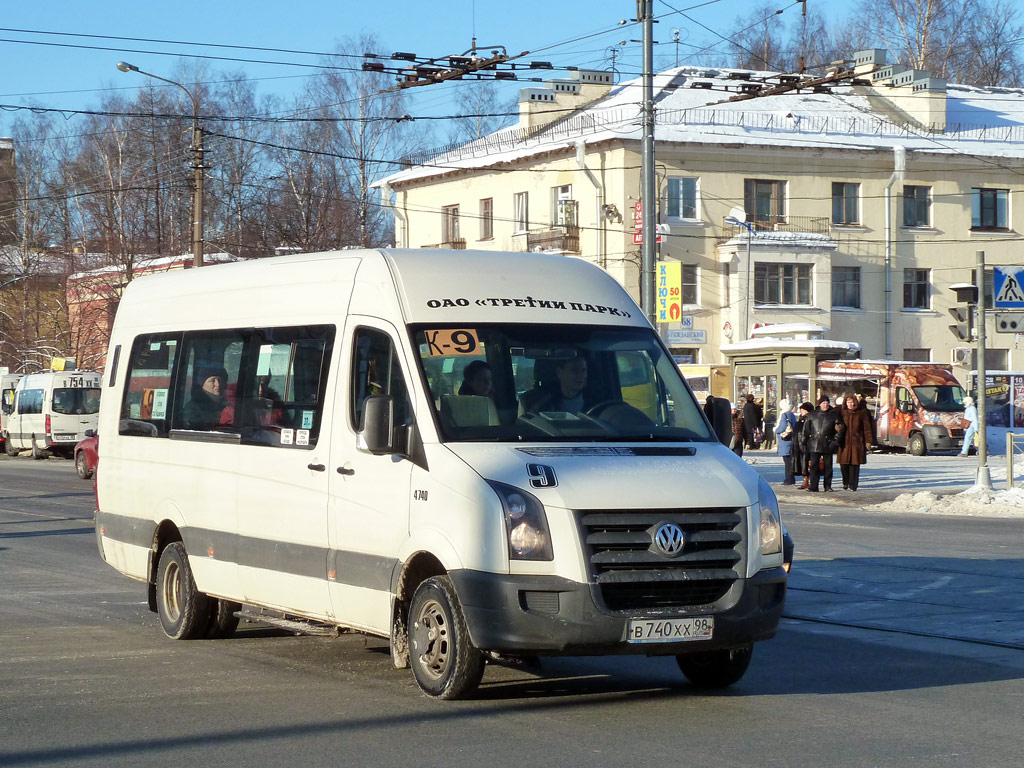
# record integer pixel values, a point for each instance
(769, 428)
(785, 430)
(801, 456)
(971, 414)
(752, 418)
(739, 430)
(709, 409)
(822, 434)
(856, 442)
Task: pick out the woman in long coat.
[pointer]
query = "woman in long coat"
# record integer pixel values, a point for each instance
(856, 442)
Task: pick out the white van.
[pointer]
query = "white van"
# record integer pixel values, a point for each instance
(470, 453)
(52, 411)
(8, 381)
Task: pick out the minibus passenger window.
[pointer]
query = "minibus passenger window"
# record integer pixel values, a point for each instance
(145, 410)
(208, 383)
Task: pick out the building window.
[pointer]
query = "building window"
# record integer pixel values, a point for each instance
(449, 223)
(689, 280)
(845, 203)
(916, 289)
(782, 284)
(846, 287)
(687, 356)
(522, 211)
(487, 218)
(764, 201)
(916, 205)
(682, 198)
(563, 207)
(917, 355)
(995, 360)
(989, 209)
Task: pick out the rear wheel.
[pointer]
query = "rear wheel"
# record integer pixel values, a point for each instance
(715, 669)
(82, 466)
(916, 445)
(444, 661)
(9, 448)
(184, 610)
(37, 452)
(222, 622)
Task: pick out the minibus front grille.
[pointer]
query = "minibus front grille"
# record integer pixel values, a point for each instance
(629, 573)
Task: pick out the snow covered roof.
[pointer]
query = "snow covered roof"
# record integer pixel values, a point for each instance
(979, 121)
(156, 264)
(784, 329)
(752, 345)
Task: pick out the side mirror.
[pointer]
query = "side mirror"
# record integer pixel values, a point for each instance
(907, 407)
(378, 428)
(721, 420)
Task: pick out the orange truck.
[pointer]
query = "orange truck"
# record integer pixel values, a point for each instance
(916, 406)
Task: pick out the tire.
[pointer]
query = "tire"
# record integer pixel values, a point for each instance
(82, 466)
(715, 669)
(9, 448)
(916, 445)
(38, 453)
(222, 622)
(184, 610)
(444, 661)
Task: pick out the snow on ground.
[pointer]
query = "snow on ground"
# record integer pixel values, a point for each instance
(974, 502)
(932, 485)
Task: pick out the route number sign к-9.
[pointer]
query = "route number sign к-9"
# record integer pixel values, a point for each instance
(461, 341)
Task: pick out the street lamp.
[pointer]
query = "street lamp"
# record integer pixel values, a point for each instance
(197, 164)
(734, 219)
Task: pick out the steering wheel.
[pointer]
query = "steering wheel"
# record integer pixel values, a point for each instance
(596, 410)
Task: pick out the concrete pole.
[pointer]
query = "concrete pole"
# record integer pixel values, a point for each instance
(648, 192)
(197, 191)
(984, 479)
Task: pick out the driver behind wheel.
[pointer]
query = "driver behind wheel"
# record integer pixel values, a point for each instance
(566, 394)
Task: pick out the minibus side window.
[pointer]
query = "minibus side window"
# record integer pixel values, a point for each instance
(376, 371)
(284, 386)
(206, 389)
(30, 401)
(145, 409)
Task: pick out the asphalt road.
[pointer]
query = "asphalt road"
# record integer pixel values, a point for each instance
(88, 679)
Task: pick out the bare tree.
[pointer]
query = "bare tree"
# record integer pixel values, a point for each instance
(760, 45)
(991, 54)
(480, 111)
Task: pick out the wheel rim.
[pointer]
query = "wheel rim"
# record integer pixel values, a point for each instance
(431, 641)
(81, 465)
(172, 592)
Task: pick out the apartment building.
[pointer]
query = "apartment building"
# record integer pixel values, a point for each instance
(852, 206)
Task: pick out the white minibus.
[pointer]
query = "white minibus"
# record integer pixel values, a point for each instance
(476, 455)
(52, 412)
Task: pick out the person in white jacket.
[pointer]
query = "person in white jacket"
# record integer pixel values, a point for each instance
(971, 414)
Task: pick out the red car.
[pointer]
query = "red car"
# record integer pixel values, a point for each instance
(86, 455)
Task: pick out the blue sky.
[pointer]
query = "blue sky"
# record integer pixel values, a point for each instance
(566, 33)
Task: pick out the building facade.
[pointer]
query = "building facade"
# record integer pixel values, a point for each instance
(853, 206)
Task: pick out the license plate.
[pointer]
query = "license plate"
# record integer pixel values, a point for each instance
(670, 630)
(64, 437)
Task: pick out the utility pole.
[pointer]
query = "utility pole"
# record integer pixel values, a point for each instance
(648, 190)
(984, 478)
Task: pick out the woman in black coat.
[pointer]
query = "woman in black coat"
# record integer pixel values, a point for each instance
(800, 452)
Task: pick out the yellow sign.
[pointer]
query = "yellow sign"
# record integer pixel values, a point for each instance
(670, 291)
(462, 341)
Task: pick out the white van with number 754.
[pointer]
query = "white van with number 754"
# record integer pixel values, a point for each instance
(51, 412)
(472, 454)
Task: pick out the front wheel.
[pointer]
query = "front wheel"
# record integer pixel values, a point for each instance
(9, 448)
(916, 445)
(184, 610)
(82, 466)
(444, 661)
(715, 669)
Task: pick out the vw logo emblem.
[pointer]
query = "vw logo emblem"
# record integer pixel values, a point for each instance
(669, 539)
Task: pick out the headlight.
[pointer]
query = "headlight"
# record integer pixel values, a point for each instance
(525, 522)
(771, 522)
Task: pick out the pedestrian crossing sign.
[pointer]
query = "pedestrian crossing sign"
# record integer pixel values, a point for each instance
(1008, 287)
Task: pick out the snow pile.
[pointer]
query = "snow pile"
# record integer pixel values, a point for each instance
(974, 502)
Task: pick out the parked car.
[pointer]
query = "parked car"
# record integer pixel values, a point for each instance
(87, 454)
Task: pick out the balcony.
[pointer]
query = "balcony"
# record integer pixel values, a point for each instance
(817, 225)
(563, 238)
(459, 244)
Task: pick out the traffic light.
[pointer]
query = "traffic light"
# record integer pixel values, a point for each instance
(962, 327)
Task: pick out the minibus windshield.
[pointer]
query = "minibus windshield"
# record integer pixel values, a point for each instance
(945, 397)
(557, 383)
